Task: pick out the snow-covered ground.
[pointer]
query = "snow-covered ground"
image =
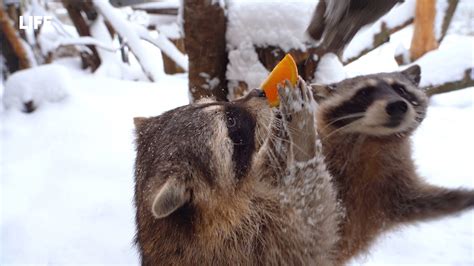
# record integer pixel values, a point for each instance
(66, 170)
(67, 180)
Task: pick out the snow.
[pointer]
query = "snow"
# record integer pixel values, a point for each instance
(131, 37)
(41, 85)
(454, 56)
(66, 182)
(365, 37)
(330, 70)
(263, 23)
(160, 4)
(462, 22)
(244, 65)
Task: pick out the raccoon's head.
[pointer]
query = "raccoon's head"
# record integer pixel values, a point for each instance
(196, 158)
(381, 104)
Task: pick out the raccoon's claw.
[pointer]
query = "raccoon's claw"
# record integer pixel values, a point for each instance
(295, 99)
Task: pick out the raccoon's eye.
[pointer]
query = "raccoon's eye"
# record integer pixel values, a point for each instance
(231, 121)
(365, 92)
(400, 90)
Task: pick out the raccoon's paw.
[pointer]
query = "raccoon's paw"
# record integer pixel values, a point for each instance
(297, 105)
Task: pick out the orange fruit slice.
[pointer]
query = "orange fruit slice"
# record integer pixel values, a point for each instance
(285, 70)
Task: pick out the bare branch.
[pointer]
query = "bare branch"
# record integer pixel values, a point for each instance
(448, 16)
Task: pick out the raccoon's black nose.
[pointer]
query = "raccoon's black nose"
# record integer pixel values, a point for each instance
(397, 108)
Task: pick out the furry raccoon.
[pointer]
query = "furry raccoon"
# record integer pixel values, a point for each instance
(365, 124)
(234, 183)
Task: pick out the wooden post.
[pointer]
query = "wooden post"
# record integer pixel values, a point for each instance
(205, 26)
(424, 39)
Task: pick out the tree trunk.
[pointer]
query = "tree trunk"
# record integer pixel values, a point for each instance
(205, 26)
(424, 39)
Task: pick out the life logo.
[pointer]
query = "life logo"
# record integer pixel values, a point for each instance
(33, 22)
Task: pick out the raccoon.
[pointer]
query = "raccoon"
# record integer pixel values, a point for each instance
(365, 124)
(234, 183)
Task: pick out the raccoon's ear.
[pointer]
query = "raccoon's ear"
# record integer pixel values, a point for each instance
(320, 92)
(139, 121)
(170, 197)
(413, 73)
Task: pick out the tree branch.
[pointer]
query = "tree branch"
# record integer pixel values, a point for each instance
(383, 36)
(465, 82)
(448, 16)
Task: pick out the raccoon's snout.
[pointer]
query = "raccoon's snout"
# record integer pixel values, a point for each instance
(396, 109)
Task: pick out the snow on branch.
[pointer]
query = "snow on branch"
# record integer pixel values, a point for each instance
(465, 82)
(443, 70)
(379, 33)
(124, 29)
(83, 41)
(165, 45)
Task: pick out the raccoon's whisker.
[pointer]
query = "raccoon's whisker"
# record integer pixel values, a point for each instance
(343, 118)
(337, 131)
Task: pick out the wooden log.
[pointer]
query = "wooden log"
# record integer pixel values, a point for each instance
(205, 26)
(424, 39)
(465, 82)
(169, 64)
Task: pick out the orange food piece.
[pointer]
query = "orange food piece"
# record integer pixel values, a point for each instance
(285, 70)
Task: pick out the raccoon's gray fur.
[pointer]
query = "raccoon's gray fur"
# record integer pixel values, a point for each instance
(335, 22)
(234, 183)
(365, 124)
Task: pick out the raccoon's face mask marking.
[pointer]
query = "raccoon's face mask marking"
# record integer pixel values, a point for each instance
(380, 104)
(188, 152)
